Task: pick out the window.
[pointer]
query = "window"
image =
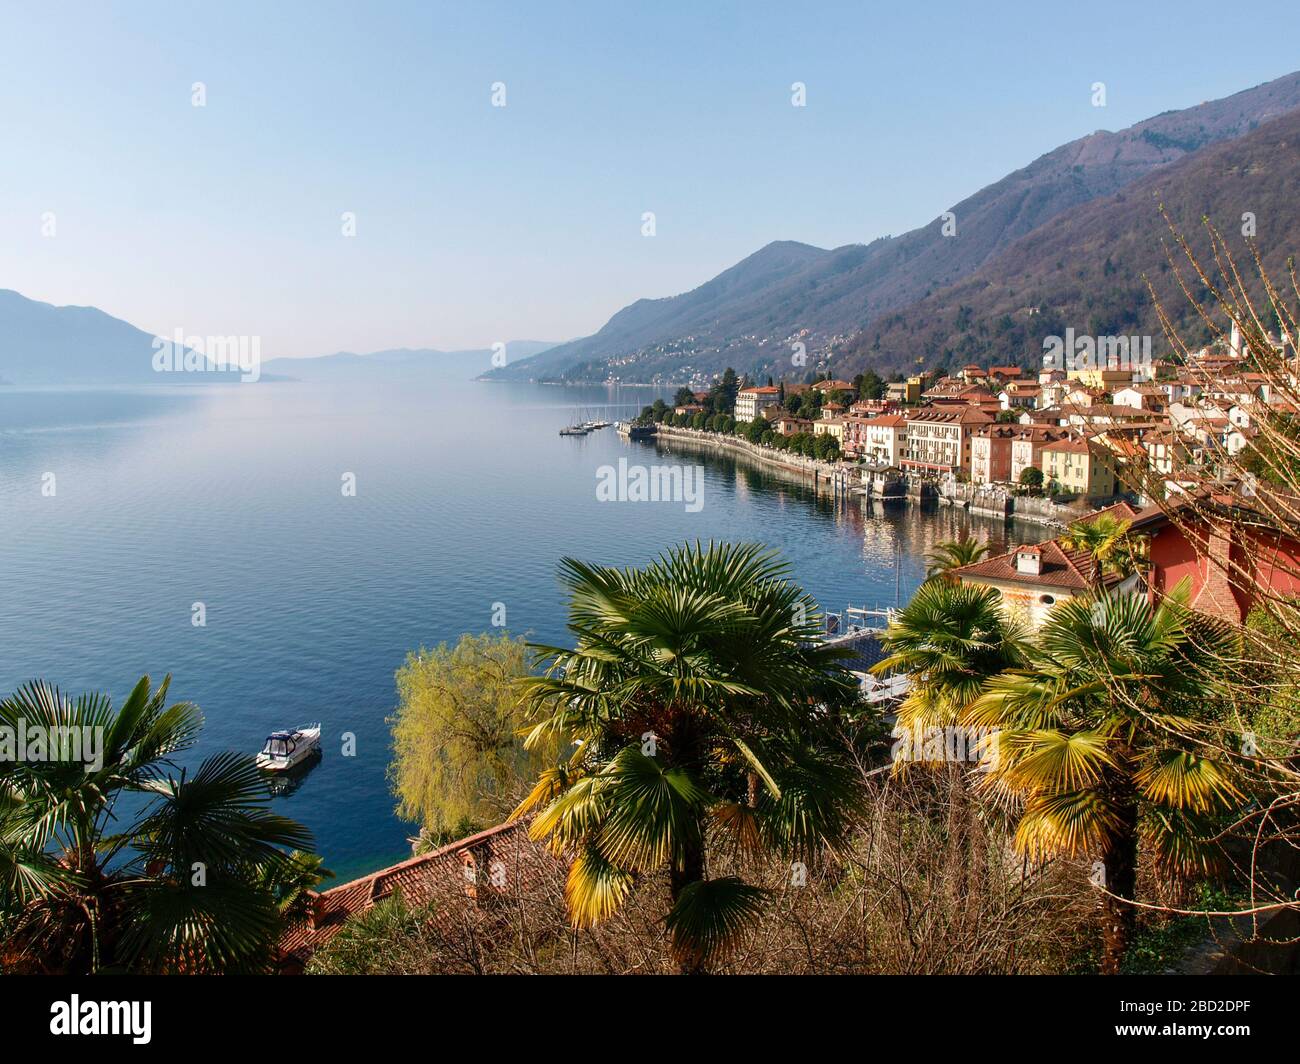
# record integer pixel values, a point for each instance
(1047, 600)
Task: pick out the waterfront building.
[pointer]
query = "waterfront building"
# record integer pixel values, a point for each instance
(882, 440)
(938, 438)
(1027, 447)
(751, 402)
(1079, 467)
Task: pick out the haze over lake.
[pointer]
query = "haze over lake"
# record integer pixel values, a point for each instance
(466, 496)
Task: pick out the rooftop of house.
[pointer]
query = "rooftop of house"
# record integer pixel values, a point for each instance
(765, 389)
(1071, 445)
(1058, 568)
(1040, 433)
(418, 879)
(960, 415)
(999, 431)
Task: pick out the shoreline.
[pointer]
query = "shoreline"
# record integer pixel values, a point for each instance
(835, 477)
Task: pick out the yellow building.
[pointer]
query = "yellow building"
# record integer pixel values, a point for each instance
(1079, 467)
(1106, 379)
(830, 426)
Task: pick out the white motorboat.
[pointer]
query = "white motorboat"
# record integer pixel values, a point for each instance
(286, 749)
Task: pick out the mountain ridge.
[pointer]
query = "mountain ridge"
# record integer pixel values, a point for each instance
(825, 299)
(1090, 269)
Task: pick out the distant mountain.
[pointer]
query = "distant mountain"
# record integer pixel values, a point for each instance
(400, 362)
(1085, 270)
(44, 344)
(748, 315)
(41, 344)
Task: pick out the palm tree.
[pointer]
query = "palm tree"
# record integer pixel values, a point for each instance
(1098, 742)
(950, 639)
(698, 696)
(954, 553)
(175, 888)
(1108, 540)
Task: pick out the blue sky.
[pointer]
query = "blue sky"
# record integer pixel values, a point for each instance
(476, 224)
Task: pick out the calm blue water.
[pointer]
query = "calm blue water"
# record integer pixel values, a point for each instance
(466, 496)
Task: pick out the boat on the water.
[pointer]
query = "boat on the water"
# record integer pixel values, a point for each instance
(574, 430)
(286, 749)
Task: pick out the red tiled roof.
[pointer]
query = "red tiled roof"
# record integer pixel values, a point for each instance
(1074, 570)
(963, 415)
(1071, 445)
(418, 879)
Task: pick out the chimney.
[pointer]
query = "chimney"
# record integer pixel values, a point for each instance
(1029, 559)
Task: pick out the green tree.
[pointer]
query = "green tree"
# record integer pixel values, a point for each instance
(174, 881)
(1108, 540)
(688, 694)
(724, 392)
(871, 387)
(1031, 477)
(953, 554)
(951, 639)
(1099, 740)
(457, 753)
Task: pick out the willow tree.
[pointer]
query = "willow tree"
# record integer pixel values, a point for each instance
(458, 759)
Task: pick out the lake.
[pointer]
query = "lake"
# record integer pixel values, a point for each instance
(465, 496)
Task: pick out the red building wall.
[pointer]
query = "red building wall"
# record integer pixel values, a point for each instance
(1225, 566)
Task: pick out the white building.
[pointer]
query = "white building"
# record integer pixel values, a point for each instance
(751, 402)
(883, 439)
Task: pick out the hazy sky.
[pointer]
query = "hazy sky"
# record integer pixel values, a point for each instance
(477, 223)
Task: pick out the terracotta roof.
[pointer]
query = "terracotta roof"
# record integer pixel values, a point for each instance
(766, 389)
(418, 879)
(1074, 570)
(1071, 445)
(963, 415)
(1040, 433)
(1121, 510)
